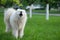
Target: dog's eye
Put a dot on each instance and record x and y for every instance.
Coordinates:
(20, 13)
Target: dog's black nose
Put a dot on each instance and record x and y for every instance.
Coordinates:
(20, 13)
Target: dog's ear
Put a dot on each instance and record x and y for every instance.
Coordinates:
(20, 13)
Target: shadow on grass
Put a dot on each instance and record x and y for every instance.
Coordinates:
(6, 36)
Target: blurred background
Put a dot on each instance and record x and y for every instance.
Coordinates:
(44, 23)
(38, 5)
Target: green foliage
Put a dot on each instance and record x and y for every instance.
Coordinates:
(28, 2)
(9, 3)
(44, 2)
(16, 1)
(3, 2)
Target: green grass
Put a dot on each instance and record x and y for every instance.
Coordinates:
(37, 28)
(2, 9)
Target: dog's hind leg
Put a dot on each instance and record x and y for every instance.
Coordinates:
(8, 26)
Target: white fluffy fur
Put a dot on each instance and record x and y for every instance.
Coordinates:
(14, 21)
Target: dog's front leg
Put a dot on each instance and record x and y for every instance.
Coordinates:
(15, 32)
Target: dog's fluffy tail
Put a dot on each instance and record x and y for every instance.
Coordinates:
(7, 13)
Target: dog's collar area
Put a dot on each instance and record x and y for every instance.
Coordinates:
(17, 7)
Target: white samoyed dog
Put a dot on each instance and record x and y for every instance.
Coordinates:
(15, 20)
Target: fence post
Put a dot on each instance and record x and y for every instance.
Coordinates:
(47, 11)
(31, 10)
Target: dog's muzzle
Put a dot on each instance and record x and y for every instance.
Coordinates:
(20, 14)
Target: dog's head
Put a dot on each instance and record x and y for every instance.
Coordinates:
(19, 13)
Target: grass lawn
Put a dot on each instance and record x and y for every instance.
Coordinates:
(37, 28)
